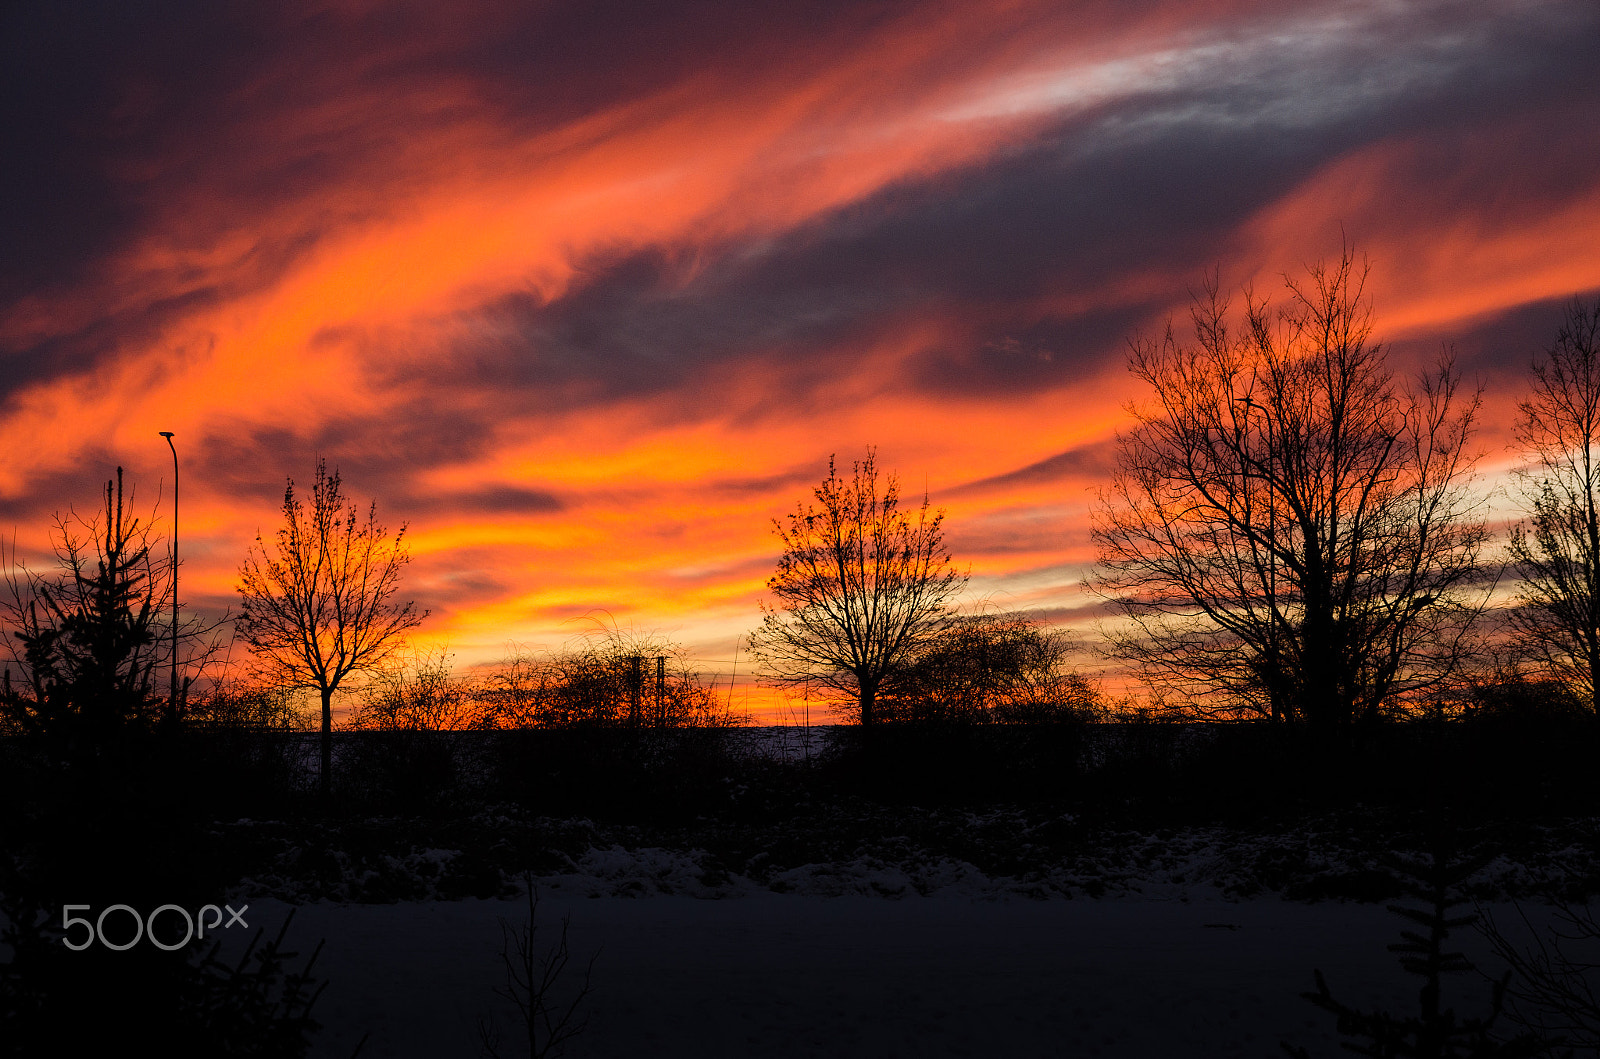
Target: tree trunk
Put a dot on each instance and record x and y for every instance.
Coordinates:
(327, 741)
(869, 694)
(1321, 664)
(1593, 636)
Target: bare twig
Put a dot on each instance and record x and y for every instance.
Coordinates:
(532, 982)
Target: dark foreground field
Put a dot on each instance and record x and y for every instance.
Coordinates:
(769, 975)
(1130, 889)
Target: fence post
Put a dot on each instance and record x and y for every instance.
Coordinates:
(635, 686)
(661, 689)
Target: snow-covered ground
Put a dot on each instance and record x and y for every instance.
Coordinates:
(793, 975)
(1162, 944)
(873, 851)
(786, 923)
(1169, 943)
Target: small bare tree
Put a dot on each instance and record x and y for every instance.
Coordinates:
(532, 984)
(859, 587)
(1288, 529)
(1557, 551)
(320, 605)
(1555, 984)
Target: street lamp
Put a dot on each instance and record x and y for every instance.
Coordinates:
(172, 703)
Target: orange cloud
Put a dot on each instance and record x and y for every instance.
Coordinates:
(330, 271)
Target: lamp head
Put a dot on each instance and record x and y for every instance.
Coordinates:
(165, 433)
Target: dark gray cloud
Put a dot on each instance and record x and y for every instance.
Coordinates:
(1094, 460)
(502, 500)
(373, 460)
(76, 493)
(1496, 350)
(1108, 195)
(117, 119)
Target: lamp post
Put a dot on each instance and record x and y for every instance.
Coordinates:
(172, 703)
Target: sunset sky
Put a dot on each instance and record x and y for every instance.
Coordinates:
(588, 293)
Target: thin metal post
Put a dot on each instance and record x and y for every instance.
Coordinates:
(635, 686)
(661, 689)
(172, 703)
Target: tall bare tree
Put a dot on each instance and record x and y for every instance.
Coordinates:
(1557, 551)
(1287, 530)
(320, 604)
(860, 585)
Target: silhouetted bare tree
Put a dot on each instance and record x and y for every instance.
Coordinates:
(1557, 550)
(320, 605)
(1288, 528)
(1555, 985)
(533, 982)
(859, 587)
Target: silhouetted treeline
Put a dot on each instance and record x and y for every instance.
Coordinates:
(1516, 753)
